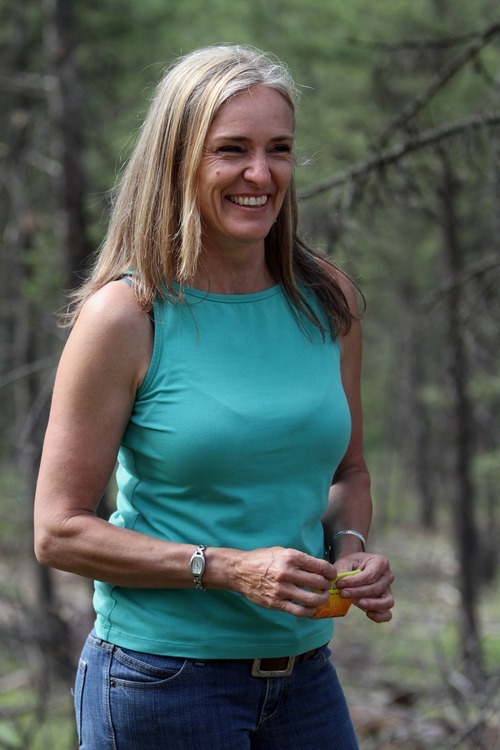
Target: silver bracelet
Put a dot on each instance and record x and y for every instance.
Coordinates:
(358, 534)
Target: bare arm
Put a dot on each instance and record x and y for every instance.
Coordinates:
(104, 361)
(350, 504)
(102, 365)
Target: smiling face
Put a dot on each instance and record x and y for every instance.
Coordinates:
(245, 170)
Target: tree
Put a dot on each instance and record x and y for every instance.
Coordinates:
(441, 205)
(398, 164)
(65, 105)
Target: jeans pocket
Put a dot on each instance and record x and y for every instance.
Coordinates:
(141, 671)
(78, 697)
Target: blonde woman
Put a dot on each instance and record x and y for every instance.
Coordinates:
(218, 359)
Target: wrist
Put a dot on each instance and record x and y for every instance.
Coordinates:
(197, 565)
(221, 568)
(345, 542)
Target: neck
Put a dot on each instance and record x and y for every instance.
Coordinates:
(233, 276)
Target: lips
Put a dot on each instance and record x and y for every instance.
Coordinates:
(248, 200)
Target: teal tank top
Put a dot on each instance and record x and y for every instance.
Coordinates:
(236, 432)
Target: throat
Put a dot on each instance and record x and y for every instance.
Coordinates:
(233, 280)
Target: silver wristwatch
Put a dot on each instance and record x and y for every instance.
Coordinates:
(197, 566)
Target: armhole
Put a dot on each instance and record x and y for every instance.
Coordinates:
(127, 279)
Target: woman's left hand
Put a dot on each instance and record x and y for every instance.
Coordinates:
(370, 589)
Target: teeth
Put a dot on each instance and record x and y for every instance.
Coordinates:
(254, 200)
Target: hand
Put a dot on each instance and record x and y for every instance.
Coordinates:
(370, 589)
(282, 579)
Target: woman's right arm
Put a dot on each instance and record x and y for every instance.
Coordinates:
(102, 365)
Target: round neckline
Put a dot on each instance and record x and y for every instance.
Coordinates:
(231, 298)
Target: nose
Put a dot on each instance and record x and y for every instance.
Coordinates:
(257, 170)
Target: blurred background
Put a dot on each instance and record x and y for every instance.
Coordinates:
(399, 181)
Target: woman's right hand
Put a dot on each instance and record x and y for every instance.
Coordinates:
(282, 579)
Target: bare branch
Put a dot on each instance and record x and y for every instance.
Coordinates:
(27, 83)
(414, 44)
(394, 154)
(43, 163)
(437, 83)
(28, 369)
(474, 271)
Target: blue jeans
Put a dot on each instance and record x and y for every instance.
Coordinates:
(126, 700)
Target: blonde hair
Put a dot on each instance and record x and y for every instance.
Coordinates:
(155, 227)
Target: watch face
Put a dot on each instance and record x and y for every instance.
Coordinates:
(197, 566)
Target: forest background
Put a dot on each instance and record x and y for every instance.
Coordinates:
(399, 181)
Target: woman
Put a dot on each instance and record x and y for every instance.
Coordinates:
(219, 358)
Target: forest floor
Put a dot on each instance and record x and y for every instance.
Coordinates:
(404, 680)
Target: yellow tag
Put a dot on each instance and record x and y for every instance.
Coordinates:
(336, 606)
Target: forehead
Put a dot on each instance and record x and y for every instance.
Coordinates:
(259, 106)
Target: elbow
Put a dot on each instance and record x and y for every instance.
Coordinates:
(57, 541)
(51, 543)
(45, 548)
(353, 472)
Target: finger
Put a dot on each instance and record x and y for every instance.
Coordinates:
(303, 579)
(367, 576)
(379, 605)
(303, 570)
(372, 589)
(380, 616)
(316, 566)
(288, 597)
(307, 599)
(303, 610)
(292, 558)
(297, 610)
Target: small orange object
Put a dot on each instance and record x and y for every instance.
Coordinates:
(336, 606)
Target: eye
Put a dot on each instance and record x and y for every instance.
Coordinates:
(282, 148)
(230, 149)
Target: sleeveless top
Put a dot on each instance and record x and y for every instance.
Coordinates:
(236, 432)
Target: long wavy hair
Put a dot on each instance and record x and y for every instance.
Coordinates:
(155, 230)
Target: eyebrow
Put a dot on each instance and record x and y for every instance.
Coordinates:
(244, 139)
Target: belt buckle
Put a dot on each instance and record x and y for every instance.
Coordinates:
(258, 672)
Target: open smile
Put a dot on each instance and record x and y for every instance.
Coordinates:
(248, 200)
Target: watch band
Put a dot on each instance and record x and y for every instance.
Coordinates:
(197, 566)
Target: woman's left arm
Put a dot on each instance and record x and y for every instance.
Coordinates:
(350, 505)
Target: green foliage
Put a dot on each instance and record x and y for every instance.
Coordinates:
(358, 65)
(30, 731)
(13, 511)
(487, 468)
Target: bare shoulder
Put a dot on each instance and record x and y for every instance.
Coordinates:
(113, 305)
(112, 328)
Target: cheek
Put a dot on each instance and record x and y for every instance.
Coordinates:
(285, 176)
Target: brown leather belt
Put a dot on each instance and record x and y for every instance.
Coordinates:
(281, 666)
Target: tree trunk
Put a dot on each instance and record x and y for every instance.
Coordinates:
(460, 420)
(70, 229)
(66, 113)
(416, 428)
(17, 223)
